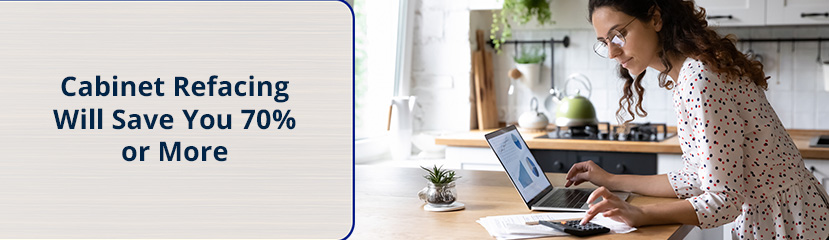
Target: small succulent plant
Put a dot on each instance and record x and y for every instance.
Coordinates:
(438, 175)
(441, 191)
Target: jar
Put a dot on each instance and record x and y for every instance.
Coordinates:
(439, 195)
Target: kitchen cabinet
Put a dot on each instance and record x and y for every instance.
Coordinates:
(560, 161)
(734, 12)
(797, 12)
(728, 13)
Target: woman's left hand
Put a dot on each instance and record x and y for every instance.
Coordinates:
(614, 208)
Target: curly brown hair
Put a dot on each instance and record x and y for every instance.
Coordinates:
(684, 32)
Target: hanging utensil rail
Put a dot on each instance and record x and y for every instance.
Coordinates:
(552, 42)
(783, 40)
(819, 40)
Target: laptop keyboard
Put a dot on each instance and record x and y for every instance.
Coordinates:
(566, 198)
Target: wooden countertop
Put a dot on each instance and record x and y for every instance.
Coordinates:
(388, 207)
(475, 138)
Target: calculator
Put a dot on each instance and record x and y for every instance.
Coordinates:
(575, 228)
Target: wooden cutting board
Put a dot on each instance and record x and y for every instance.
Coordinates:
(482, 70)
(473, 92)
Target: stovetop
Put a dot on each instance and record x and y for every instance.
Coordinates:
(636, 132)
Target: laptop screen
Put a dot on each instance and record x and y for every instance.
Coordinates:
(518, 162)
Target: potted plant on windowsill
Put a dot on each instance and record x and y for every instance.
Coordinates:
(521, 11)
(440, 195)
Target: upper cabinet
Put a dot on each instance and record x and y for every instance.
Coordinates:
(734, 12)
(797, 12)
(765, 12)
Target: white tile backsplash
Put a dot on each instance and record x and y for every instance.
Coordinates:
(822, 120)
(805, 120)
(820, 83)
(822, 99)
(804, 101)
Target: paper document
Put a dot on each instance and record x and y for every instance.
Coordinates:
(515, 227)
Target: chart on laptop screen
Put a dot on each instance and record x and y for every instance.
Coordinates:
(519, 164)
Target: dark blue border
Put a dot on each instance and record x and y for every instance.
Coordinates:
(353, 127)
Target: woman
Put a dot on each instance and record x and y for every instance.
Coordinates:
(740, 164)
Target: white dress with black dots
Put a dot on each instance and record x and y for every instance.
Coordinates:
(740, 164)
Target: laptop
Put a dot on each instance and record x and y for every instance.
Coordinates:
(533, 186)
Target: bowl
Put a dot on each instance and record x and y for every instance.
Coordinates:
(425, 142)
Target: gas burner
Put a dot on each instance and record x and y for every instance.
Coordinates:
(581, 132)
(643, 132)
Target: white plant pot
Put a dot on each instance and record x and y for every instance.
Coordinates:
(530, 73)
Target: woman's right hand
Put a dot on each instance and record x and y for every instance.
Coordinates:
(587, 171)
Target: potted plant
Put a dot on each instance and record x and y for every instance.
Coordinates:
(522, 11)
(441, 190)
(528, 62)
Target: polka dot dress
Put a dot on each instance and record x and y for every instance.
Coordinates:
(740, 164)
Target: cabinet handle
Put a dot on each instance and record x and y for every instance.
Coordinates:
(804, 15)
(719, 17)
(558, 166)
(620, 168)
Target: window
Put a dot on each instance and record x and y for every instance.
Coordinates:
(379, 56)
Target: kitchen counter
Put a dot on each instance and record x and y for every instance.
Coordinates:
(475, 138)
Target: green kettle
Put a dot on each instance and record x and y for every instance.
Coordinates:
(576, 110)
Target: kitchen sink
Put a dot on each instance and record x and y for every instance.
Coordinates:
(820, 141)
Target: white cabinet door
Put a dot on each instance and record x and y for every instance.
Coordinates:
(800, 12)
(734, 12)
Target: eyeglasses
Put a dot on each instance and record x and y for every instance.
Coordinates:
(616, 38)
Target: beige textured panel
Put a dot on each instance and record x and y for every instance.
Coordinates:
(275, 183)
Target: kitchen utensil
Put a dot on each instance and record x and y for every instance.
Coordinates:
(575, 111)
(477, 81)
(473, 98)
(425, 142)
(489, 92)
(552, 99)
(514, 73)
(579, 112)
(484, 85)
(572, 110)
(581, 79)
(751, 55)
(401, 133)
(510, 117)
(533, 120)
(777, 70)
(826, 76)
